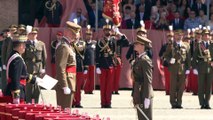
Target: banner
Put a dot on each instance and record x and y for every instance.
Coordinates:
(111, 11)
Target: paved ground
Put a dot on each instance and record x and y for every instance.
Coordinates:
(122, 108)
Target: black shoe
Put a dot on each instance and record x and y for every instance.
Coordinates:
(113, 92)
(173, 107)
(108, 106)
(117, 93)
(103, 106)
(202, 107)
(88, 93)
(207, 107)
(194, 94)
(179, 107)
(78, 106)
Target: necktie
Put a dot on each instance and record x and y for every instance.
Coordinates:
(207, 45)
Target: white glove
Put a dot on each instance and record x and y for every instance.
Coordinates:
(4, 67)
(195, 71)
(85, 72)
(187, 72)
(172, 61)
(42, 71)
(16, 101)
(66, 90)
(146, 103)
(98, 70)
(0, 69)
(39, 80)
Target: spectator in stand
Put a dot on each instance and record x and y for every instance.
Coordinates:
(171, 8)
(183, 6)
(81, 20)
(150, 24)
(210, 23)
(132, 22)
(192, 21)
(148, 6)
(162, 24)
(91, 8)
(203, 18)
(131, 4)
(210, 11)
(154, 14)
(191, 3)
(177, 23)
(186, 12)
(140, 15)
(199, 5)
(127, 12)
(53, 13)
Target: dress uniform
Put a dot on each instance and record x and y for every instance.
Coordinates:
(17, 75)
(193, 78)
(105, 50)
(142, 71)
(177, 55)
(165, 63)
(79, 47)
(35, 57)
(54, 45)
(89, 63)
(203, 66)
(120, 43)
(6, 50)
(66, 68)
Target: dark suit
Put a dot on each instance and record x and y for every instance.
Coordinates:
(147, 13)
(177, 24)
(196, 8)
(132, 23)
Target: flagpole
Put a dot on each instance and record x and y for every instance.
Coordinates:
(96, 14)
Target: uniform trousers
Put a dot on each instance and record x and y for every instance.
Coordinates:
(90, 79)
(106, 78)
(80, 82)
(116, 80)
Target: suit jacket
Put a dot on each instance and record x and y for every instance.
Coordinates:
(178, 25)
(35, 57)
(147, 13)
(65, 56)
(89, 56)
(129, 24)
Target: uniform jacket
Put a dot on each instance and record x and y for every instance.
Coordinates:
(105, 50)
(89, 55)
(80, 50)
(35, 56)
(65, 56)
(53, 48)
(142, 75)
(6, 50)
(202, 57)
(17, 71)
(182, 57)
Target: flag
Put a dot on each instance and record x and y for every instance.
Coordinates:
(111, 11)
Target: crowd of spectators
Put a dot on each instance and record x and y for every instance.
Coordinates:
(157, 14)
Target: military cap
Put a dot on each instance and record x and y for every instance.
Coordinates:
(179, 31)
(89, 31)
(34, 30)
(13, 27)
(205, 31)
(198, 31)
(142, 40)
(75, 28)
(17, 38)
(187, 36)
(141, 29)
(107, 27)
(59, 33)
(22, 27)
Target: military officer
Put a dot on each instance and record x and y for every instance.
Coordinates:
(89, 62)
(6, 50)
(66, 66)
(54, 45)
(203, 66)
(142, 80)
(177, 55)
(105, 50)
(35, 57)
(170, 37)
(17, 75)
(121, 41)
(79, 46)
(1, 42)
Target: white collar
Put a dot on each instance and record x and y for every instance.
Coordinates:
(141, 54)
